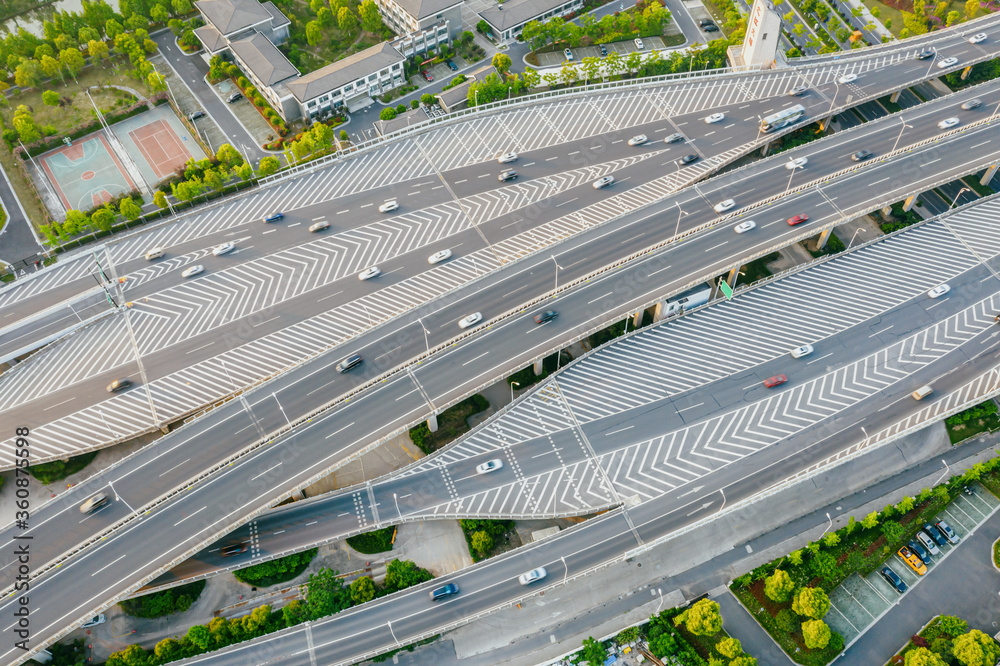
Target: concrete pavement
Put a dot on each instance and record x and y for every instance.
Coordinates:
(18, 241)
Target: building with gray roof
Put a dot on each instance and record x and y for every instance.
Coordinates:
(508, 19)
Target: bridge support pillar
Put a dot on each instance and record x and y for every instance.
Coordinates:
(766, 149)
(825, 122)
(432, 423)
(165, 429)
(658, 311)
(887, 210)
(538, 367)
(908, 204)
(965, 72)
(894, 97)
(988, 176)
(637, 319)
(823, 238)
(732, 277)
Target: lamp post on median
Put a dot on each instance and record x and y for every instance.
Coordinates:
(900, 134)
(426, 339)
(794, 167)
(553, 257)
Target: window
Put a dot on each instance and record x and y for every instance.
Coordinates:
(324, 98)
(312, 104)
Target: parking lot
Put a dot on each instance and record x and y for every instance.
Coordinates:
(556, 58)
(440, 72)
(859, 601)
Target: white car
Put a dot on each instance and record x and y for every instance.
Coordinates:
(225, 248)
(507, 158)
(939, 290)
(977, 38)
(489, 466)
(94, 621)
(471, 320)
(927, 542)
(947, 62)
(532, 576)
(804, 350)
(369, 273)
(603, 182)
(948, 122)
(194, 270)
(438, 257)
(715, 118)
(388, 206)
(638, 44)
(847, 78)
(723, 206)
(637, 140)
(320, 226)
(797, 163)
(744, 227)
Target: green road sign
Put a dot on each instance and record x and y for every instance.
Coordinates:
(726, 289)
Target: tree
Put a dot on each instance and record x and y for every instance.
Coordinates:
(103, 218)
(482, 543)
(50, 98)
(831, 539)
(27, 74)
(268, 165)
(322, 135)
(314, 32)
(243, 171)
(113, 28)
(811, 602)
(427, 99)
(346, 20)
(160, 199)
(702, 619)
(362, 590)
(744, 660)
(198, 634)
(976, 649)
(825, 566)
(502, 62)
(778, 586)
(98, 50)
(156, 82)
(326, 18)
(971, 7)
(729, 648)
(923, 657)
(24, 124)
(133, 655)
(952, 17)
(325, 593)
(593, 652)
(387, 113)
(343, 135)
(371, 21)
(401, 574)
(870, 521)
(228, 155)
(182, 7)
(815, 634)
(892, 531)
(129, 209)
(159, 14)
(953, 626)
(400, 108)
(51, 67)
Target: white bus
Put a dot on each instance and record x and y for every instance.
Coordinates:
(782, 118)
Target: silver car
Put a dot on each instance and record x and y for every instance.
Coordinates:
(489, 466)
(94, 503)
(225, 248)
(369, 273)
(603, 182)
(530, 577)
(470, 320)
(927, 542)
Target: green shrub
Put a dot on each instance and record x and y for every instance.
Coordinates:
(276, 571)
(57, 470)
(167, 602)
(371, 543)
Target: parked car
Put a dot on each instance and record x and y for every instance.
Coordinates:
(489, 466)
(191, 271)
(235, 97)
(349, 363)
(225, 248)
(451, 65)
(777, 380)
(946, 63)
(388, 206)
(936, 534)
(927, 542)
(195, 115)
(637, 140)
(319, 226)
(949, 533)
(939, 290)
(744, 227)
(507, 174)
(723, 206)
(439, 256)
(676, 137)
(543, 317)
(119, 385)
(847, 78)
(603, 48)
(912, 560)
(427, 75)
(94, 503)
(798, 91)
(638, 44)
(369, 273)
(532, 576)
(568, 54)
(273, 217)
(861, 155)
(971, 104)
(687, 159)
(715, 118)
(444, 592)
(603, 182)
(470, 320)
(705, 22)
(507, 158)
(235, 548)
(804, 350)
(919, 551)
(797, 219)
(711, 27)
(94, 621)
(893, 579)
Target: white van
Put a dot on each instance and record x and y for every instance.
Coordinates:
(922, 392)
(155, 253)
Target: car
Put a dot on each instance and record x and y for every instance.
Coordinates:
(939, 290)
(893, 579)
(234, 548)
(919, 551)
(687, 159)
(470, 320)
(369, 273)
(723, 206)
(798, 91)
(603, 48)
(195, 115)
(489, 466)
(978, 38)
(948, 122)
(676, 137)
(804, 350)
(119, 385)
(847, 78)
(947, 62)
(971, 104)
(568, 54)
(638, 44)
(451, 65)
(94, 621)
(543, 317)
(94, 503)
(427, 75)
(154, 253)
(797, 163)
(444, 592)
(507, 158)
(711, 27)
(744, 227)
(925, 54)
(861, 155)
(532, 576)
(797, 219)
(705, 22)
(439, 256)
(948, 533)
(936, 534)
(637, 140)
(603, 182)
(508, 174)
(273, 217)
(912, 560)
(388, 206)
(235, 97)
(225, 248)
(319, 226)
(777, 380)
(715, 118)
(927, 542)
(349, 363)
(193, 270)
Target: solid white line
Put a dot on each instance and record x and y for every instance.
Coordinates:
(188, 516)
(691, 407)
(175, 467)
(102, 569)
(59, 403)
(202, 347)
(614, 432)
(599, 298)
(266, 471)
(339, 431)
(475, 359)
(266, 321)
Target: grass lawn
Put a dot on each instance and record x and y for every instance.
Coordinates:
(757, 269)
(334, 44)
(370, 543)
(962, 432)
(504, 536)
(996, 553)
(58, 470)
(452, 423)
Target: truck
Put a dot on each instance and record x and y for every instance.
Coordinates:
(687, 301)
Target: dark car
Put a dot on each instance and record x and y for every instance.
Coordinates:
(427, 75)
(894, 580)
(451, 65)
(711, 27)
(119, 385)
(920, 551)
(543, 317)
(273, 217)
(444, 592)
(925, 54)
(935, 532)
(971, 104)
(604, 49)
(507, 174)
(705, 22)
(196, 115)
(235, 97)
(233, 549)
(687, 159)
(349, 363)
(861, 155)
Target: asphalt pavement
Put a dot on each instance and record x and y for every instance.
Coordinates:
(18, 244)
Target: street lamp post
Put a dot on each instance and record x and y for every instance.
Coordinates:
(426, 339)
(900, 134)
(955, 200)
(553, 257)
(857, 231)
(512, 385)
(788, 187)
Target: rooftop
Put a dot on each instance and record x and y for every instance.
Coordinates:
(421, 9)
(515, 12)
(342, 72)
(211, 38)
(403, 120)
(277, 18)
(229, 16)
(263, 58)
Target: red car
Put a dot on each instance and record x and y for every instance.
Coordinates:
(427, 75)
(797, 219)
(777, 380)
